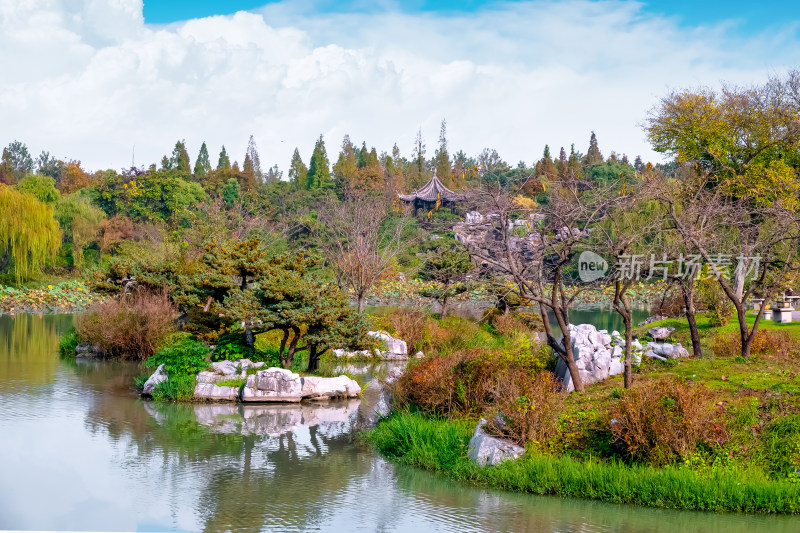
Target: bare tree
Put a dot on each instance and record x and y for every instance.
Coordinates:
(723, 232)
(360, 238)
(537, 262)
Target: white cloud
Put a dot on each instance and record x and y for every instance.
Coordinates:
(89, 79)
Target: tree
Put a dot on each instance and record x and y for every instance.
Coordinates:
(81, 221)
(113, 231)
(417, 173)
(20, 159)
(593, 155)
(231, 192)
(180, 159)
(41, 186)
(538, 264)
(298, 171)
(29, 235)
(203, 164)
(224, 162)
(345, 171)
(47, 165)
(441, 159)
(358, 240)
(254, 166)
(6, 168)
(448, 266)
(71, 177)
(319, 171)
(546, 168)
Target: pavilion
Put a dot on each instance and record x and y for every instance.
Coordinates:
(432, 192)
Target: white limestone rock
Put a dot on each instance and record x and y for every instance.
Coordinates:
(273, 385)
(159, 376)
(215, 393)
(321, 389)
(660, 333)
(392, 348)
(487, 450)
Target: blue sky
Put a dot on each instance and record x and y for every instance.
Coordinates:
(92, 79)
(748, 16)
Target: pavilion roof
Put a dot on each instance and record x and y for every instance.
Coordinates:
(432, 191)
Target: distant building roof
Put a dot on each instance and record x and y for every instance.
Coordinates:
(432, 191)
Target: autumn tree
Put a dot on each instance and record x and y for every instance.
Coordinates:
(71, 177)
(745, 139)
(360, 239)
(593, 155)
(29, 235)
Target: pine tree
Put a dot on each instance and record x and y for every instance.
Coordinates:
(345, 171)
(319, 168)
(224, 162)
(298, 171)
(574, 164)
(418, 169)
(546, 167)
(203, 164)
(180, 158)
(255, 160)
(638, 164)
(442, 157)
(562, 164)
(593, 155)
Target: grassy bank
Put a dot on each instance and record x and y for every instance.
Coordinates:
(441, 445)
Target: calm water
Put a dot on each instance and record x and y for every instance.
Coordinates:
(79, 450)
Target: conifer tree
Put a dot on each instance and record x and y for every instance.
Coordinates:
(180, 158)
(319, 169)
(203, 164)
(255, 160)
(224, 162)
(345, 171)
(546, 166)
(574, 164)
(298, 171)
(442, 158)
(562, 164)
(638, 164)
(593, 155)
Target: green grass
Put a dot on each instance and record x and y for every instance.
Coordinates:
(68, 343)
(441, 446)
(176, 389)
(236, 382)
(681, 333)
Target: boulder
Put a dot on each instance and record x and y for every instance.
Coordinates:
(487, 450)
(273, 385)
(392, 348)
(157, 377)
(215, 393)
(661, 333)
(473, 217)
(666, 350)
(318, 388)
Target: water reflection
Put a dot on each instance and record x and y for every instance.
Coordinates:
(81, 451)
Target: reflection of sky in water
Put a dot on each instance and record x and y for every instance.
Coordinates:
(78, 450)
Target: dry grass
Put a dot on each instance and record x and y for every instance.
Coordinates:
(130, 326)
(665, 420)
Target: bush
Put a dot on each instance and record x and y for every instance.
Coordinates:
(185, 356)
(766, 342)
(713, 298)
(666, 420)
(528, 408)
(175, 389)
(411, 326)
(780, 443)
(68, 343)
(129, 326)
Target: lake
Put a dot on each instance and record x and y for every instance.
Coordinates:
(80, 451)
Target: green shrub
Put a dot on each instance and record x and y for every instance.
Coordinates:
(184, 356)
(140, 380)
(177, 388)
(232, 346)
(68, 343)
(780, 442)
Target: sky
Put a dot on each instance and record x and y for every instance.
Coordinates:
(111, 82)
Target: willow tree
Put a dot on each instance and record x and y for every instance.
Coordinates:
(29, 235)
